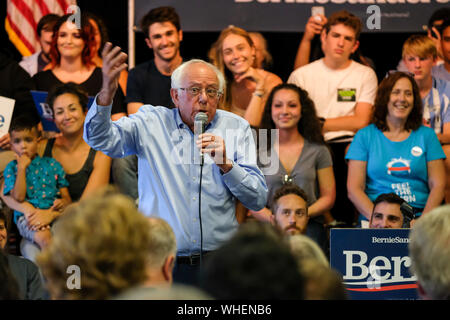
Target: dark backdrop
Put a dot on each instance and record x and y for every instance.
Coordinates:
(383, 48)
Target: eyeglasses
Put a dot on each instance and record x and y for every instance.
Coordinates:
(212, 93)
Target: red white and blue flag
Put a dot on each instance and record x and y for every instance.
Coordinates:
(22, 19)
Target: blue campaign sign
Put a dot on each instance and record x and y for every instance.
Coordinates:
(374, 263)
(44, 110)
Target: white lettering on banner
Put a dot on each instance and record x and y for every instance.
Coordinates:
(357, 260)
(344, 1)
(390, 240)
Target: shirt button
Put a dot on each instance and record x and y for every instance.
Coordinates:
(193, 198)
(194, 241)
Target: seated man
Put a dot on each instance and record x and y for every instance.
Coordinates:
(390, 211)
(24, 271)
(162, 252)
(290, 209)
(39, 60)
(420, 55)
(442, 71)
(343, 92)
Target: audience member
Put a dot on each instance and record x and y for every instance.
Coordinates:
(9, 290)
(255, 264)
(39, 60)
(100, 33)
(430, 253)
(310, 49)
(40, 181)
(161, 254)
(343, 92)
(107, 239)
(322, 282)
(168, 174)
(247, 87)
(434, 32)
(86, 169)
(300, 154)
(149, 82)
(434, 27)
(71, 55)
(388, 212)
(24, 278)
(442, 71)
(290, 209)
(396, 153)
(419, 55)
(303, 249)
(15, 84)
(174, 292)
(263, 58)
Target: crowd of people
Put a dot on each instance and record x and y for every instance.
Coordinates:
(220, 166)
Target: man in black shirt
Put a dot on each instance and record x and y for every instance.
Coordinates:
(149, 82)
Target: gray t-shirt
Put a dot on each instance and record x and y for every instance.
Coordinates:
(313, 157)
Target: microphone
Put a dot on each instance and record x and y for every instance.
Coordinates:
(200, 121)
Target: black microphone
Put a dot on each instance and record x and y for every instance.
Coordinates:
(200, 121)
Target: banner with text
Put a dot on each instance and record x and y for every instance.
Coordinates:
(374, 263)
(292, 15)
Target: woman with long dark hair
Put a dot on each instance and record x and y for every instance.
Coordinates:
(298, 156)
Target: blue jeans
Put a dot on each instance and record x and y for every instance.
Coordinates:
(124, 175)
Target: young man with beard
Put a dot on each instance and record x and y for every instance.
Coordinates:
(149, 82)
(290, 209)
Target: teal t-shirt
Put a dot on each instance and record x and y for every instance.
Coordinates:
(44, 177)
(399, 167)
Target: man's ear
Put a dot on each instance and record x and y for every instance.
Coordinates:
(355, 47)
(149, 44)
(174, 96)
(180, 35)
(168, 266)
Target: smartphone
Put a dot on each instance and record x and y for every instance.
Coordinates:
(317, 10)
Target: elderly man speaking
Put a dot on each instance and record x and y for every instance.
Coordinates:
(198, 201)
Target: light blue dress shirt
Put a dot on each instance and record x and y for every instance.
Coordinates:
(169, 170)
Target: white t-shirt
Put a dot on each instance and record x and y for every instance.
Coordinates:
(336, 92)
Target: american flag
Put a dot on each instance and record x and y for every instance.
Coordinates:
(22, 19)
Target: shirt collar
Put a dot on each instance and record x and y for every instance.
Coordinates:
(182, 125)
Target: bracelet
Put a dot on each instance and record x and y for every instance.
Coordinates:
(259, 93)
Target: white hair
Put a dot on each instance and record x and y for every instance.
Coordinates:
(162, 242)
(178, 74)
(429, 249)
(303, 248)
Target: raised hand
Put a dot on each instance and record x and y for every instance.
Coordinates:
(314, 26)
(113, 64)
(5, 142)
